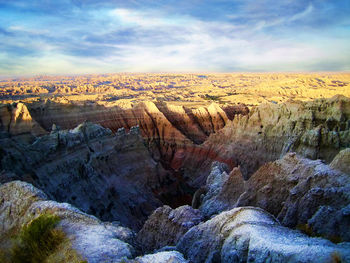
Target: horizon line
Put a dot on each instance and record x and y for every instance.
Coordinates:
(169, 72)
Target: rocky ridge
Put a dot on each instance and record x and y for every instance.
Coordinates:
(302, 193)
(175, 222)
(246, 214)
(316, 130)
(95, 241)
(249, 234)
(95, 168)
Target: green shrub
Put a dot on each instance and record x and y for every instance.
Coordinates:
(37, 240)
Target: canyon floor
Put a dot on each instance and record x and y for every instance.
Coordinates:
(237, 167)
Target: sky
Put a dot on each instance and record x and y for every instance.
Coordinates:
(86, 36)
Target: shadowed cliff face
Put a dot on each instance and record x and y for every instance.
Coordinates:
(174, 134)
(112, 177)
(96, 171)
(186, 141)
(173, 159)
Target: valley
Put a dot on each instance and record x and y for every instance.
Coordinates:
(214, 160)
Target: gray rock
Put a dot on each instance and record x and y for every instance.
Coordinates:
(94, 240)
(161, 257)
(249, 234)
(223, 190)
(341, 161)
(166, 226)
(301, 193)
(90, 168)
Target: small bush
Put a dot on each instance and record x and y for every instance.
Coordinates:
(37, 240)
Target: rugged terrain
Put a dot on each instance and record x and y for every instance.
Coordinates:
(199, 178)
(124, 90)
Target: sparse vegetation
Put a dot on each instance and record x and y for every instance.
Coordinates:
(39, 241)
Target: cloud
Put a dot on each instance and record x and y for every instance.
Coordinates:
(303, 14)
(108, 36)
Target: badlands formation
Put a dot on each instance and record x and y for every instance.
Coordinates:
(177, 168)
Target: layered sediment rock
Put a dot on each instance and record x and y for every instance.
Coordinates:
(89, 237)
(16, 120)
(112, 177)
(299, 192)
(165, 227)
(173, 133)
(317, 130)
(249, 234)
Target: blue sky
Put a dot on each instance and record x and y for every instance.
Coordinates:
(88, 36)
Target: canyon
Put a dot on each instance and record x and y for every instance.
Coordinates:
(213, 180)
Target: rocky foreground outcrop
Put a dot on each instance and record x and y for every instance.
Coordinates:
(161, 257)
(316, 129)
(166, 226)
(245, 234)
(91, 239)
(300, 192)
(249, 234)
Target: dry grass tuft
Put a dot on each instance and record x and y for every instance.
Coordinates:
(41, 241)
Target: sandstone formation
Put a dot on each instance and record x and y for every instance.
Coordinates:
(316, 129)
(166, 128)
(173, 134)
(341, 162)
(93, 240)
(185, 89)
(165, 226)
(16, 120)
(268, 184)
(299, 192)
(177, 136)
(91, 168)
(249, 234)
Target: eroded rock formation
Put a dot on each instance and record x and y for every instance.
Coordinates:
(300, 192)
(94, 240)
(263, 179)
(173, 133)
(161, 257)
(316, 129)
(165, 226)
(16, 120)
(110, 176)
(249, 234)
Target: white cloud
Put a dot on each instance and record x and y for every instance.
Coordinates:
(302, 14)
(163, 42)
(145, 18)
